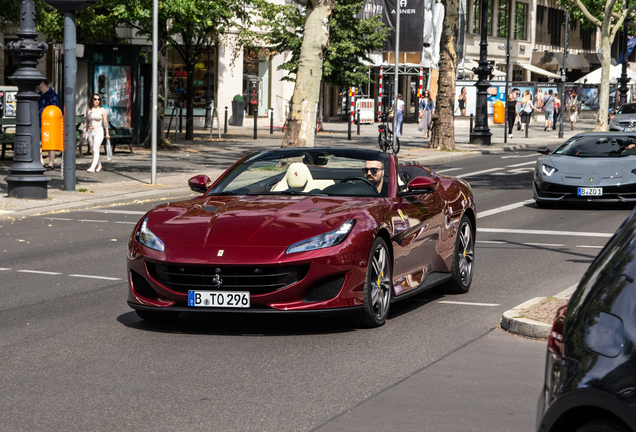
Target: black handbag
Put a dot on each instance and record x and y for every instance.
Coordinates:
(518, 125)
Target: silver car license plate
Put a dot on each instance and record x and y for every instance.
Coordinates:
(223, 299)
(590, 191)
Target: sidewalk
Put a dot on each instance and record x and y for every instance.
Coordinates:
(127, 177)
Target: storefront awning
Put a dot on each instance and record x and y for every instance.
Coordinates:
(470, 64)
(554, 61)
(539, 71)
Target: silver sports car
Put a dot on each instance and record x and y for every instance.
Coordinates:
(589, 167)
(624, 119)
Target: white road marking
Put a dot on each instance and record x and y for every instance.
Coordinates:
(448, 170)
(6, 211)
(590, 247)
(504, 208)
(521, 164)
(66, 219)
(1, 269)
(515, 171)
(124, 222)
(129, 212)
(544, 232)
(468, 303)
(94, 277)
(91, 220)
(491, 242)
(479, 172)
(543, 244)
(514, 157)
(38, 272)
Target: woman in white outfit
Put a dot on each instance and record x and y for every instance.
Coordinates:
(96, 117)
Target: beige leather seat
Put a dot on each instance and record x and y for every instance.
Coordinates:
(297, 177)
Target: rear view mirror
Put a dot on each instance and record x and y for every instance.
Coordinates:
(199, 183)
(543, 150)
(423, 184)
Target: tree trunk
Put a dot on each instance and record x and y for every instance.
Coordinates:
(161, 91)
(302, 124)
(603, 96)
(443, 133)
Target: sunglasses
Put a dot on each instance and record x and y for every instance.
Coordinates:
(373, 171)
(97, 99)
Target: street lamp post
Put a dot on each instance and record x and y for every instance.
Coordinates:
(26, 178)
(564, 70)
(481, 133)
(507, 75)
(208, 102)
(624, 79)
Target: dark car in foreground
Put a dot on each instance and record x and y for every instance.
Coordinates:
(304, 231)
(590, 375)
(589, 167)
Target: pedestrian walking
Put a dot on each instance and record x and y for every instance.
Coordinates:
(399, 113)
(511, 112)
(557, 110)
(426, 111)
(526, 109)
(96, 116)
(548, 109)
(48, 97)
(573, 108)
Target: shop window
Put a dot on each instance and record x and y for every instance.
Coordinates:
(477, 17)
(177, 81)
(502, 19)
(521, 21)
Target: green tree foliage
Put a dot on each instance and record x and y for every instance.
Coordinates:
(189, 26)
(346, 62)
(96, 24)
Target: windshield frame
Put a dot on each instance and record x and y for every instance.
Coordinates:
(310, 154)
(575, 146)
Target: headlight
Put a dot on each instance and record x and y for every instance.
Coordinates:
(325, 240)
(149, 239)
(548, 170)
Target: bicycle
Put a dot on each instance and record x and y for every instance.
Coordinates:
(385, 138)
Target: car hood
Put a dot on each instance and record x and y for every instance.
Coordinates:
(590, 171)
(624, 117)
(201, 227)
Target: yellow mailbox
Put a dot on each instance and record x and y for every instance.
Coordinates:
(52, 129)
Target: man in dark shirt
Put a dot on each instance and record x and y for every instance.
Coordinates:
(48, 97)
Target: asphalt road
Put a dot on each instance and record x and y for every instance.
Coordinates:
(74, 357)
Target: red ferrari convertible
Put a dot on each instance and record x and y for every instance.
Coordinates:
(305, 230)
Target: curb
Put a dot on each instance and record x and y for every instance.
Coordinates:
(512, 322)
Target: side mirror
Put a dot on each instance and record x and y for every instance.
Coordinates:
(423, 184)
(543, 150)
(200, 183)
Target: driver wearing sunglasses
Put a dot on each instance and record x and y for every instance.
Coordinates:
(374, 172)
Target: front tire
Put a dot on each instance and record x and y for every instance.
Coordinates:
(463, 260)
(396, 148)
(378, 287)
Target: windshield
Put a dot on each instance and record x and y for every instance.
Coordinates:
(321, 172)
(627, 109)
(598, 146)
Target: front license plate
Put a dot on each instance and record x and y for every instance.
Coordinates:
(224, 299)
(590, 191)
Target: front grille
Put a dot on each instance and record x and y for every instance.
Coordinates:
(552, 190)
(256, 280)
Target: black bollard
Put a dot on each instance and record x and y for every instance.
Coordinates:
(225, 127)
(527, 124)
(471, 123)
(271, 121)
(349, 127)
(255, 120)
(358, 122)
(180, 118)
